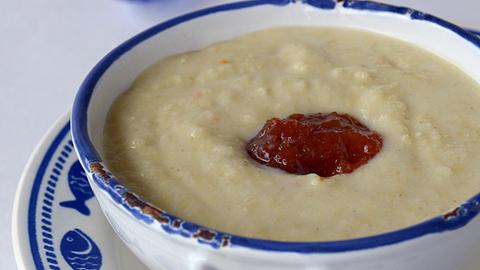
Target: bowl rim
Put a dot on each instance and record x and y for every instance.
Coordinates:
(149, 214)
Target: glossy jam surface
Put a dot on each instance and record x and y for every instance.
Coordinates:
(325, 144)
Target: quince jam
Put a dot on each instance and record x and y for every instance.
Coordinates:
(325, 144)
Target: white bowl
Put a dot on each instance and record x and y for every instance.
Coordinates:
(163, 241)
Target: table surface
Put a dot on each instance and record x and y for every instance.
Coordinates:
(48, 47)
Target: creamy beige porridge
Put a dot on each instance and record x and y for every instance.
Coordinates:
(177, 136)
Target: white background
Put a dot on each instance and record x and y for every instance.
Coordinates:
(47, 48)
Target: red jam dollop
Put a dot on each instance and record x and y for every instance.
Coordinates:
(325, 144)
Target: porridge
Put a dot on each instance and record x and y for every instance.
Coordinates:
(178, 136)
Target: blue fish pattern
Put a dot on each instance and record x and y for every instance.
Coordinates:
(78, 184)
(80, 252)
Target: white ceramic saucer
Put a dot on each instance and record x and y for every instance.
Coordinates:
(57, 224)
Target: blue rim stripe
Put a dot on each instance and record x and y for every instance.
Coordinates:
(322, 4)
(88, 153)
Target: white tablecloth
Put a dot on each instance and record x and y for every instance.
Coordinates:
(47, 48)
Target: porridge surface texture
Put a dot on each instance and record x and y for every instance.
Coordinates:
(177, 137)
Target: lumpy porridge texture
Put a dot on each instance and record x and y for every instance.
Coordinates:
(177, 136)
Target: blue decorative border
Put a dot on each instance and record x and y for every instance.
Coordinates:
(450, 221)
(47, 203)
